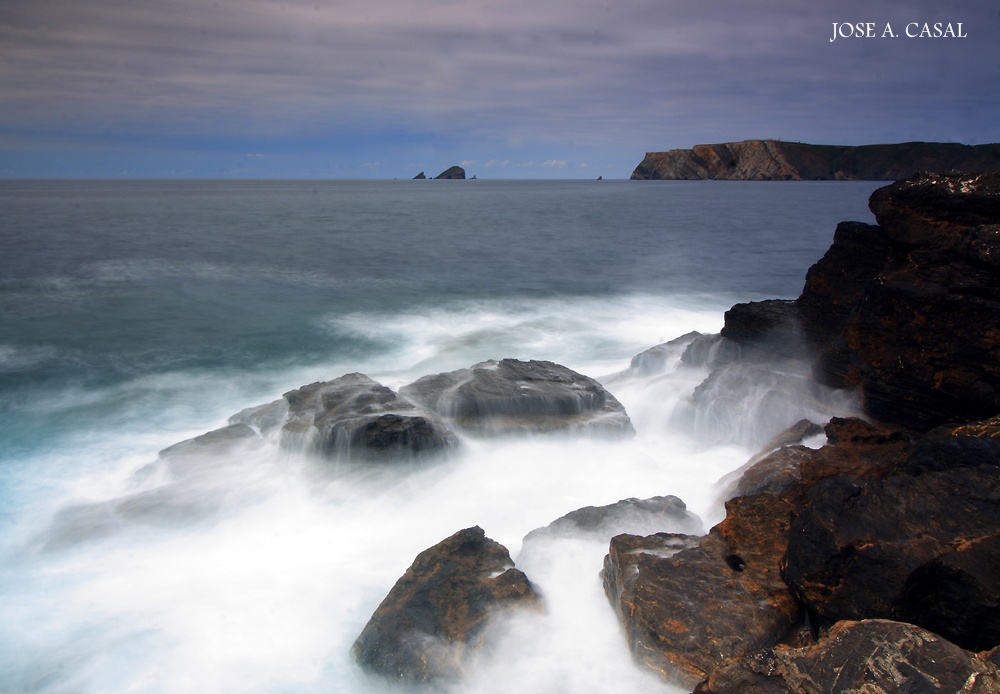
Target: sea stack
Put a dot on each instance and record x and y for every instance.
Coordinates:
(454, 173)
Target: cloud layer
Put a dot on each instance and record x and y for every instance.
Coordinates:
(526, 81)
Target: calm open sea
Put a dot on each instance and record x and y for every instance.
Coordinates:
(135, 314)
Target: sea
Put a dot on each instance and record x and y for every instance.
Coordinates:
(138, 314)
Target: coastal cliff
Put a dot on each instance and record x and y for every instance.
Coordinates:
(773, 160)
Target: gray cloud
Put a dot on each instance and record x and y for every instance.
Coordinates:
(659, 72)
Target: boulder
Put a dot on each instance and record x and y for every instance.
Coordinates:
(632, 516)
(685, 612)
(436, 615)
(353, 417)
(769, 328)
(856, 449)
(523, 397)
(871, 656)
(656, 360)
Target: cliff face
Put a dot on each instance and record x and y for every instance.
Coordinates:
(771, 160)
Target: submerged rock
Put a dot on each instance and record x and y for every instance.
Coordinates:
(521, 396)
(354, 417)
(216, 448)
(656, 360)
(871, 656)
(436, 615)
(264, 419)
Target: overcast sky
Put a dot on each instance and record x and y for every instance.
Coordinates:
(507, 88)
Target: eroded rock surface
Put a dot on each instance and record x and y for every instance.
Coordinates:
(896, 518)
(354, 417)
(437, 613)
(723, 598)
(870, 656)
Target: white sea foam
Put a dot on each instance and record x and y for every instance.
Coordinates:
(257, 574)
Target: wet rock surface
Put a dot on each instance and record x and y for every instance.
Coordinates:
(871, 656)
(634, 516)
(921, 341)
(436, 615)
(512, 396)
(886, 548)
(354, 417)
(723, 598)
(871, 563)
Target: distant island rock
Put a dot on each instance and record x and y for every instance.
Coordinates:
(774, 160)
(455, 173)
(420, 176)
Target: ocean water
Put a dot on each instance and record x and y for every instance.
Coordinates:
(136, 314)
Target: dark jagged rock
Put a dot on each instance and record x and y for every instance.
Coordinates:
(856, 449)
(771, 325)
(871, 656)
(439, 610)
(895, 518)
(420, 176)
(683, 614)
(355, 417)
(965, 445)
(957, 594)
(453, 173)
(870, 548)
(632, 516)
(774, 160)
(918, 335)
(733, 484)
(521, 396)
(835, 285)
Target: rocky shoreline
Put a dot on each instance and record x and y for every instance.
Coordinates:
(868, 563)
(872, 562)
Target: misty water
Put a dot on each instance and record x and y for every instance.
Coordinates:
(134, 315)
